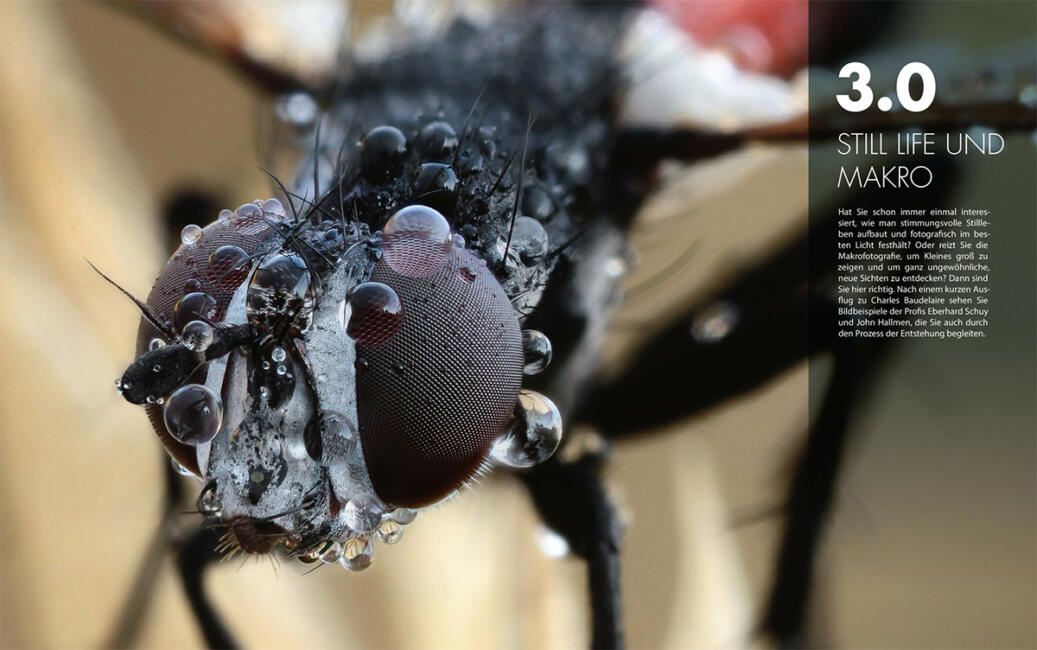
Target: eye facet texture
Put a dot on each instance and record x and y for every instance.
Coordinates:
(432, 398)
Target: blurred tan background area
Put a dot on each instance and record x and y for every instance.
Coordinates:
(101, 118)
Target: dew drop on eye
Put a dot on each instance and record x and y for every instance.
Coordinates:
(274, 210)
(534, 434)
(193, 414)
(248, 211)
(227, 266)
(375, 313)
(197, 335)
(416, 241)
(190, 235)
(193, 306)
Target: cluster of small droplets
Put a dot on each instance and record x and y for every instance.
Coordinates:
(534, 434)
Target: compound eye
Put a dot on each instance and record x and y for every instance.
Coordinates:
(433, 396)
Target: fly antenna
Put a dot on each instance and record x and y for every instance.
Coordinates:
(144, 309)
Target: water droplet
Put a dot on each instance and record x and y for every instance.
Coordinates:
(529, 239)
(416, 241)
(280, 279)
(156, 343)
(389, 531)
(404, 515)
(278, 354)
(331, 553)
(534, 434)
(190, 235)
(551, 543)
(310, 557)
(375, 313)
(191, 285)
(298, 109)
(180, 469)
(615, 267)
(225, 216)
(193, 306)
(437, 141)
(248, 211)
(357, 554)
(274, 210)
(281, 370)
(537, 350)
(227, 266)
(208, 502)
(197, 335)
(361, 364)
(330, 438)
(457, 240)
(715, 322)
(435, 186)
(382, 153)
(362, 513)
(193, 414)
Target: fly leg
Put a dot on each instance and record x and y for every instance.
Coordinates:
(811, 493)
(193, 556)
(572, 500)
(134, 609)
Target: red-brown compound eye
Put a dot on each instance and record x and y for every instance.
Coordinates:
(433, 397)
(375, 313)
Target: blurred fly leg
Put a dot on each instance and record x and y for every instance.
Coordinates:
(572, 500)
(734, 341)
(134, 610)
(193, 556)
(813, 487)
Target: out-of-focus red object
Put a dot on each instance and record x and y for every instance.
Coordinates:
(763, 35)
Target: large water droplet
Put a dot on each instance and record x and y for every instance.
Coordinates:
(227, 266)
(362, 513)
(357, 554)
(279, 280)
(193, 306)
(191, 234)
(534, 434)
(529, 239)
(416, 241)
(330, 438)
(375, 313)
(197, 335)
(537, 350)
(193, 414)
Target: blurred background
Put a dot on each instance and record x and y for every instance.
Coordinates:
(103, 119)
